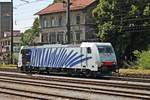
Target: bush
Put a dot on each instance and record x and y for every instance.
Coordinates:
(144, 59)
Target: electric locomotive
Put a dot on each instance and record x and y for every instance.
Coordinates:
(88, 58)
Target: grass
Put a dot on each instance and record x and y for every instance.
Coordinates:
(11, 66)
(134, 71)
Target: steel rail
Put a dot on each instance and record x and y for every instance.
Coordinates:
(33, 94)
(115, 77)
(81, 88)
(132, 77)
(89, 82)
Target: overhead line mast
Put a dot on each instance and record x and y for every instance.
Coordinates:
(68, 23)
(11, 52)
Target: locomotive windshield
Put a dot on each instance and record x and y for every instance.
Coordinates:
(105, 49)
(26, 55)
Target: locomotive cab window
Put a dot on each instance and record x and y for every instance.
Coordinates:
(26, 53)
(89, 50)
(105, 49)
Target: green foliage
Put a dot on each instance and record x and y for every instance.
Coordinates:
(15, 58)
(29, 35)
(26, 38)
(124, 23)
(144, 59)
(35, 27)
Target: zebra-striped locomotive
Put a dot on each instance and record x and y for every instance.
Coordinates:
(87, 58)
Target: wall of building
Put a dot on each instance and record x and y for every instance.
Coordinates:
(58, 30)
(5, 17)
(90, 23)
(52, 31)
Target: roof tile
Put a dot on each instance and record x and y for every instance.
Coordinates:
(59, 7)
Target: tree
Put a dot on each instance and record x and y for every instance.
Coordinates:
(35, 27)
(29, 35)
(144, 59)
(124, 23)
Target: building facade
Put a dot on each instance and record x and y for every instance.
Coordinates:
(53, 22)
(5, 45)
(5, 18)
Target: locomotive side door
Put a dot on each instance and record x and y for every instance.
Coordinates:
(84, 63)
(88, 54)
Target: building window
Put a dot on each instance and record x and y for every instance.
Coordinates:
(60, 21)
(60, 37)
(44, 23)
(8, 42)
(45, 37)
(49, 23)
(71, 36)
(52, 37)
(53, 21)
(78, 36)
(78, 19)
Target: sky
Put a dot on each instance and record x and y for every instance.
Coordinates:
(24, 11)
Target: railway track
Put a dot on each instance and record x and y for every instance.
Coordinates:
(80, 87)
(133, 78)
(125, 78)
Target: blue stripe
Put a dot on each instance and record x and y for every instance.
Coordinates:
(49, 57)
(46, 58)
(67, 58)
(35, 63)
(39, 55)
(33, 57)
(54, 57)
(70, 58)
(79, 61)
(60, 59)
(45, 62)
(43, 57)
(73, 60)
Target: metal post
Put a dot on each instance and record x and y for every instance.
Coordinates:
(11, 52)
(68, 22)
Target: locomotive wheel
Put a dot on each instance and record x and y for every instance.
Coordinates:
(87, 73)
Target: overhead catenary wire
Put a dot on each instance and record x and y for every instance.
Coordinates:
(25, 3)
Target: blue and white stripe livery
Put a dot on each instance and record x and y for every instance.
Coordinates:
(93, 56)
(56, 57)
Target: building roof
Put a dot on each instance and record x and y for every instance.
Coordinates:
(59, 7)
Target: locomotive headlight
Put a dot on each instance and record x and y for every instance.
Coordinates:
(114, 63)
